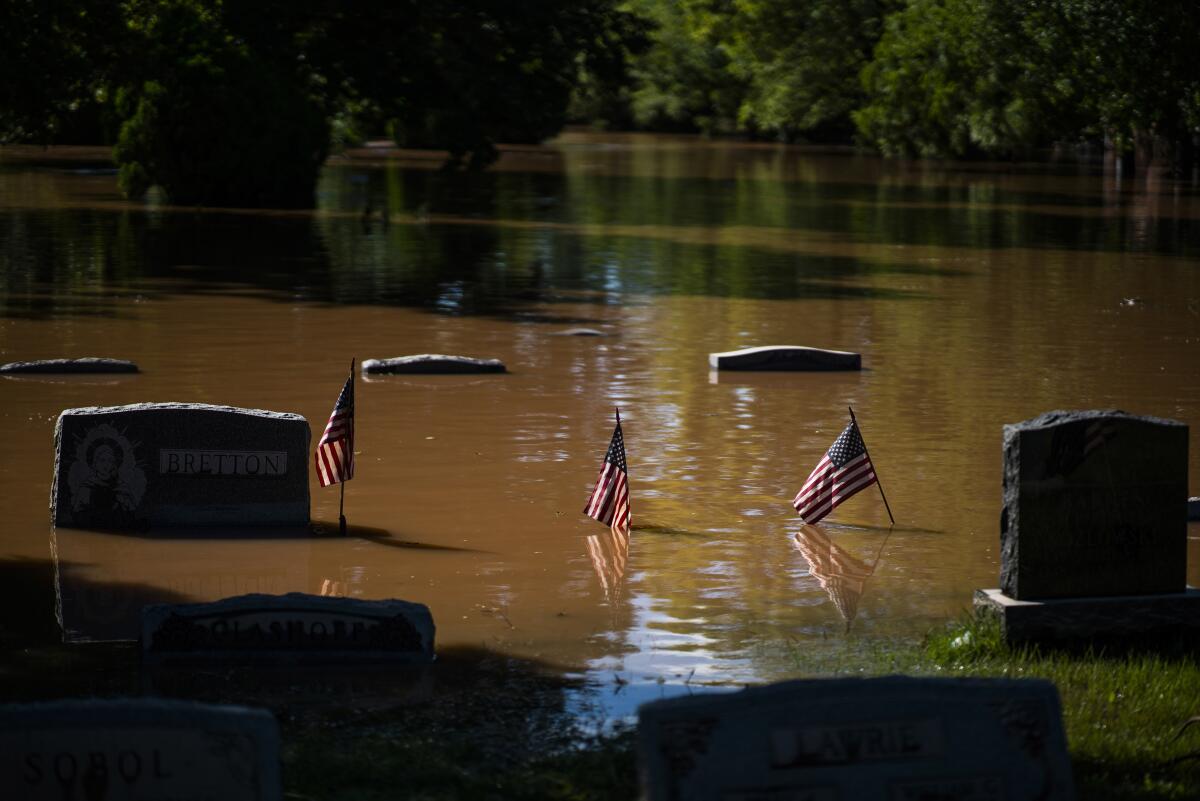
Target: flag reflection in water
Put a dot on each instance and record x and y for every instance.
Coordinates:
(609, 552)
(840, 574)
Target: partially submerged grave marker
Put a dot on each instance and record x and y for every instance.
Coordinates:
(179, 464)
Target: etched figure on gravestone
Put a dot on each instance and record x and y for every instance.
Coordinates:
(106, 482)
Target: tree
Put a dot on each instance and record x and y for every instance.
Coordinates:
(801, 62)
(960, 77)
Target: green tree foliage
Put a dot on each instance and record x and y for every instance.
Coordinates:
(54, 59)
(1134, 65)
(233, 103)
(683, 81)
(999, 77)
(220, 123)
(955, 77)
(801, 61)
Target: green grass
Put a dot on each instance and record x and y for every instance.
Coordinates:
(1123, 710)
(479, 725)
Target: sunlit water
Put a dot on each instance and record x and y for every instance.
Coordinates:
(978, 295)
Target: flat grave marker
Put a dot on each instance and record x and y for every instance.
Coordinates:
(179, 464)
(138, 750)
(785, 357)
(896, 738)
(431, 363)
(85, 365)
(293, 628)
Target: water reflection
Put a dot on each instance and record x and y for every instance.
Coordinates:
(609, 553)
(840, 574)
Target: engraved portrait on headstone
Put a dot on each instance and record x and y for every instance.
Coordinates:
(105, 480)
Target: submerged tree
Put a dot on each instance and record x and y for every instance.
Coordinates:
(228, 103)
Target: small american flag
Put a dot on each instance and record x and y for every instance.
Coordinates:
(609, 502)
(335, 450)
(844, 470)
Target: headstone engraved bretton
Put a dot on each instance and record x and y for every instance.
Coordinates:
(87, 364)
(288, 628)
(1093, 538)
(173, 464)
(431, 363)
(123, 750)
(887, 738)
(785, 357)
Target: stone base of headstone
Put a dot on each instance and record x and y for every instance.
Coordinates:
(1096, 619)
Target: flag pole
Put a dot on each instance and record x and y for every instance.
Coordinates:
(342, 499)
(617, 412)
(878, 483)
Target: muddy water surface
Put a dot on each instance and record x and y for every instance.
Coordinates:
(977, 294)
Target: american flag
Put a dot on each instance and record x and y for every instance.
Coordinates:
(609, 502)
(335, 450)
(844, 470)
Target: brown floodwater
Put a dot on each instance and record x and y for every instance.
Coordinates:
(978, 295)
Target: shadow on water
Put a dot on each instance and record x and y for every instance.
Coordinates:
(31, 602)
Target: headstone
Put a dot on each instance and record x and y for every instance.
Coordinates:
(172, 464)
(431, 363)
(890, 738)
(1119, 620)
(785, 357)
(288, 628)
(1095, 504)
(143, 750)
(85, 365)
(580, 332)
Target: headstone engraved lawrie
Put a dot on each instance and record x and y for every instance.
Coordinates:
(895, 738)
(179, 464)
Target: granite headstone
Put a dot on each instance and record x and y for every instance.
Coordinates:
(785, 357)
(138, 750)
(1095, 504)
(173, 464)
(887, 738)
(288, 628)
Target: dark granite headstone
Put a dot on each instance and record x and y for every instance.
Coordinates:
(288, 628)
(1095, 504)
(785, 357)
(886, 738)
(86, 365)
(138, 750)
(431, 363)
(172, 464)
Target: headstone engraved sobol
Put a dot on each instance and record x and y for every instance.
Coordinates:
(895, 738)
(292, 628)
(150, 464)
(127, 750)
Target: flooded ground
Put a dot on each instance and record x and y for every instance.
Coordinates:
(978, 295)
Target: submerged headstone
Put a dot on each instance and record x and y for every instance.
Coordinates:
(1193, 509)
(179, 464)
(785, 357)
(86, 365)
(431, 363)
(288, 628)
(834, 739)
(135, 749)
(1095, 504)
(580, 332)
